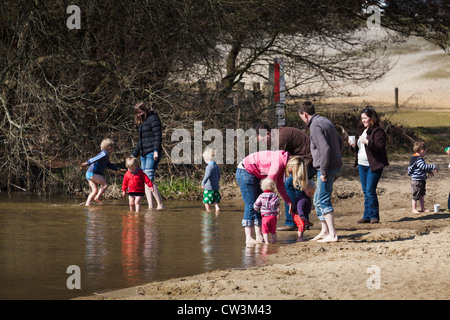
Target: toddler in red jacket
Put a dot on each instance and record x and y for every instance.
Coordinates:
(134, 182)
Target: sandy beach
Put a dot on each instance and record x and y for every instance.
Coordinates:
(405, 256)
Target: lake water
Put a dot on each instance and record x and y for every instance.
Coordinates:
(113, 247)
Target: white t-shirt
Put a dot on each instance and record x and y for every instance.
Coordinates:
(362, 155)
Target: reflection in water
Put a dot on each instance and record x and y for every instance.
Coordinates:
(150, 247)
(209, 229)
(138, 240)
(257, 254)
(95, 243)
(130, 246)
(113, 247)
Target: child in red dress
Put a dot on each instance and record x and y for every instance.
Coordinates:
(134, 183)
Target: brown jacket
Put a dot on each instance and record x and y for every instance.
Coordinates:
(376, 149)
(296, 142)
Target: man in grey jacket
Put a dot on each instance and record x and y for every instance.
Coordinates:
(327, 159)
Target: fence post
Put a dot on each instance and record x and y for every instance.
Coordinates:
(396, 98)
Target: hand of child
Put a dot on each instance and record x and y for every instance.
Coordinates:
(123, 194)
(151, 189)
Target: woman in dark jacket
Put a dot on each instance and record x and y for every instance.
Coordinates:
(149, 147)
(371, 158)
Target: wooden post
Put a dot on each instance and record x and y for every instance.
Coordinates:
(273, 115)
(396, 98)
(256, 88)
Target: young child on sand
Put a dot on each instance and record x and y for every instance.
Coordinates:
(210, 182)
(418, 171)
(269, 205)
(447, 151)
(97, 166)
(301, 217)
(134, 182)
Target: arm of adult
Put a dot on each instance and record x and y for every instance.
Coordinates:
(323, 151)
(155, 123)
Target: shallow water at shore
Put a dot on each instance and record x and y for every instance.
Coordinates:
(113, 247)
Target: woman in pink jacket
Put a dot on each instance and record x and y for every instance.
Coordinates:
(275, 165)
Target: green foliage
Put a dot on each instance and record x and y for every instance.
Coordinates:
(180, 188)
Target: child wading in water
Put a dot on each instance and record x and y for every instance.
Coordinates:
(418, 171)
(97, 166)
(301, 218)
(269, 205)
(210, 182)
(134, 183)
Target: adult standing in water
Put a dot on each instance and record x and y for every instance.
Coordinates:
(371, 158)
(259, 165)
(327, 159)
(149, 147)
(296, 142)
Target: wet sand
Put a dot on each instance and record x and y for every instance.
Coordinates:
(405, 256)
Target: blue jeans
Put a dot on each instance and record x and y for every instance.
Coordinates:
(369, 181)
(322, 197)
(148, 165)
(293, 193)
(250, 189)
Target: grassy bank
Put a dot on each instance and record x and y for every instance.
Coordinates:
(432, 126)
